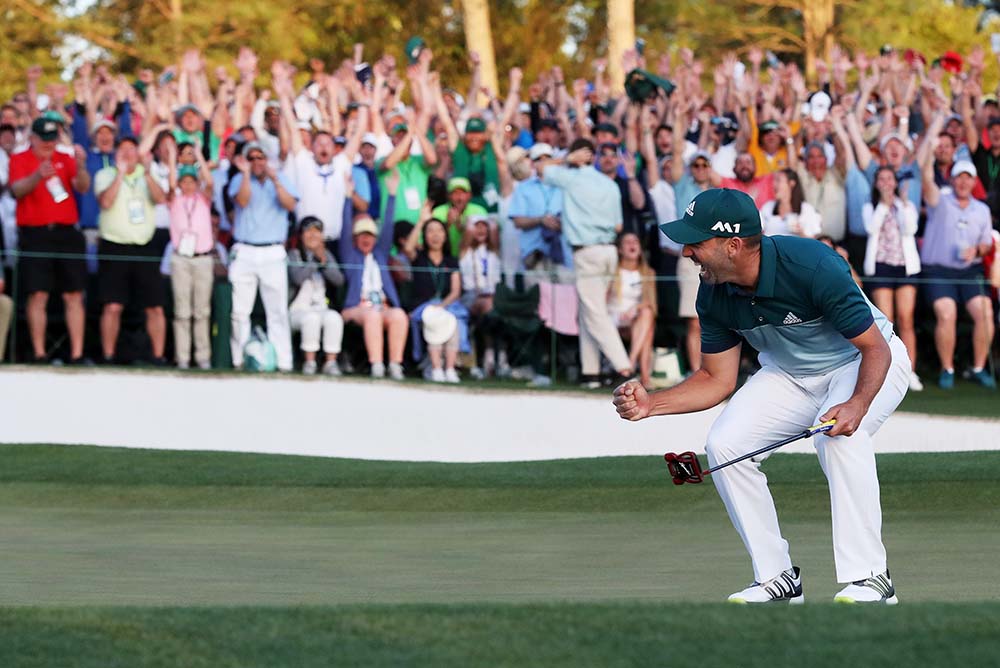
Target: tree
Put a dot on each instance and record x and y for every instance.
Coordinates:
(479, 39)
(621, 36)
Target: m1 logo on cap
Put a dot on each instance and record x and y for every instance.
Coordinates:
(731, 228)
(690, 210)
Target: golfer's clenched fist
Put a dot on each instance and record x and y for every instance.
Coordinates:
(631, 401)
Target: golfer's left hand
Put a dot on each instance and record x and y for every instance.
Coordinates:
(848, 416)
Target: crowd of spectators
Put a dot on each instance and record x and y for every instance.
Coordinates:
(373, 195)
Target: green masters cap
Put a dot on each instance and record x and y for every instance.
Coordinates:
(459, 182)
(717, 212)
(47, 126)
(187, 170)
(475, 124)
(641, 85)
(768, 126)
(414, 46)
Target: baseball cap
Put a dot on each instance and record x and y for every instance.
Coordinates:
(704, 155)
(819, 106)
(252, 146)
(456, 182)
(964, 167)
(768, 126)
(414, 46)
(539, 150)
(46, 127)
(606, 127)
(186, 107)
(104, 123)
(370, 138)
(473, 218)
(364, 225)
(187, 170)
(310, 222)
(524, 108)
(340, 140)
(898, 136)
(549, 123)
(398, 127)
(994, 120)
(716, 212)
(475, 124)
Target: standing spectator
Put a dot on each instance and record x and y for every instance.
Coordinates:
(320, 174)
(633, 199)
(823, 185)
(41, 179)
(6, 311)
(760, 188)
(535, 210)
(789, 213)
(473, 159)
(371, 300)
(192, 261)
(310, 268)
(8, 205)
(126, 194)
(263, 198)
(892, 260)
(957, 237)
(632, 304)
(592, 216)
(100, 148)
(414, 169)
(366, 169)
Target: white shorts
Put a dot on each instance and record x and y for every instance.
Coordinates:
(688, 280)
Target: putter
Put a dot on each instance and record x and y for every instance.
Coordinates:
(685, 467)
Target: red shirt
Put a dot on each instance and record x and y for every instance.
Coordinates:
(761, 188)
(38, 207)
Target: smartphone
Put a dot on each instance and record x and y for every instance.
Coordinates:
(166, 78)
(640, 46)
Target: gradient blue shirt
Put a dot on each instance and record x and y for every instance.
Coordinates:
(592, 204)
(263, 220)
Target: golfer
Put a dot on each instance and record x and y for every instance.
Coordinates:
(825, 353)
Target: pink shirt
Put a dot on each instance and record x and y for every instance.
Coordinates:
(191, 214)
(761, 188)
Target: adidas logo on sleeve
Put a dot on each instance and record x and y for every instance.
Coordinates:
(791, 319)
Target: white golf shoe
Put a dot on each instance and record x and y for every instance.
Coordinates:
(786, 588)
(876, 589)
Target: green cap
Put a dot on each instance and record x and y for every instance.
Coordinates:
(641, 85)
(459, 182)
(475, 124)
(716, 212)
(187, 170)
(414, 46)
(47, 126)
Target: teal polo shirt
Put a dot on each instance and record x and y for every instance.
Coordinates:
(801, 316)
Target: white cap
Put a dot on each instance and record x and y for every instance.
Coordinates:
(540, 149)
(898, 136)
(103, 123)
(524, 108)
(473, 218)
(964, 167)
(705, 155)
(370, 138)
(819, 106)
(438, 325)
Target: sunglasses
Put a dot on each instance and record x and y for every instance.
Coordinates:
(255, 158)
(699, 165)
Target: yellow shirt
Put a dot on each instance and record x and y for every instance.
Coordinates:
(130, 219)
(766, 164)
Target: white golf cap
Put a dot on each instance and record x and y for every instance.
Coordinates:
(370, 138)
(898, 136)
(964, 167)
(819, 106)
(539, 150)
(438, 325)
(524, 108)
(103, 123)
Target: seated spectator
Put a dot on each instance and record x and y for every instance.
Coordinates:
(310, 268)
(263, 198)
(788, 213)
(191, 273)
(892, 260)
(957, 237)
(479, 265)
(632, 304)
(437, 283)
(126, 194)
(41, 180)
(371, 300)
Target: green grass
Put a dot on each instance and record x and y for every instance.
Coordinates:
(149, 558)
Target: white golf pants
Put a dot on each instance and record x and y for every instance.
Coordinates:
(261, 267)
(317, 322)
(772, 406)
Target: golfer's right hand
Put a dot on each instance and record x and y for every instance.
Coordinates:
(631, 401)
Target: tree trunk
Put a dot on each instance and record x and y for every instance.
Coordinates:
(479, 37)
(621, 36)
(817, 32)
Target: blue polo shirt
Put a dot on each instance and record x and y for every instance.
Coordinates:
(532, 199)
(592, 204)
(802, 314)
(263, 220)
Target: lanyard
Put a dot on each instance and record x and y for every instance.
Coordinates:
(189, 211)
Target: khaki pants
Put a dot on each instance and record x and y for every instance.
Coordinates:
(595, 268)
(192, 279)
(6, 311)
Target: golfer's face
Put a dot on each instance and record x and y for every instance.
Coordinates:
(710, 258)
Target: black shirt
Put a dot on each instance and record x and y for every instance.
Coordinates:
(432, 281)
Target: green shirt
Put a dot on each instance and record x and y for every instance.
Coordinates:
(412, 191)
(455, 233)
(802, 314)
(481, 170)
(197, 138)
(130, 219)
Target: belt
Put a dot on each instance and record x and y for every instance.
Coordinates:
(261, 245)
(576, 248)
